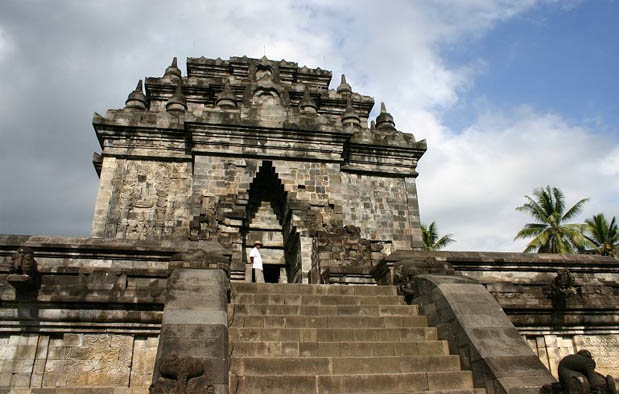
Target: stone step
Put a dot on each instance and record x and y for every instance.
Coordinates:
(326, 321)
(322, 310)
(291, 338)
(338, 349)
(465, 391)
(427, 382)
(342, 365)
(408, 334)
(76, 390)
(296, 288)
(313, 299)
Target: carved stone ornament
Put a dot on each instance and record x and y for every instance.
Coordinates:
(404, 273)
(563, 286)
(577, 376)
(23, 269)
(403, 278)
(181, 376)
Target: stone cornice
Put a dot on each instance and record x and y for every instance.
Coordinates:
(385, 159)
(268, 142)
(162, 135)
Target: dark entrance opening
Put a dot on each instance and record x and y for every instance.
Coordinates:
(268, 220)
(271, 273)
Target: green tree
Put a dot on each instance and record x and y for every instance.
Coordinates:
(551, 234)
(603, 237)
(431, 241)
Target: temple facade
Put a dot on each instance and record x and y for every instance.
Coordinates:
(245, 149)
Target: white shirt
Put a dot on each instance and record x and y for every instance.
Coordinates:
(257, 258)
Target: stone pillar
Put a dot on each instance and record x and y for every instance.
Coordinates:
(193, 347)
(104, 195)
(249, 272)
(306, 258)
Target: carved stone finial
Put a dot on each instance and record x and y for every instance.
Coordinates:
(344, 87)
(384, 120)
(173, 71)
(177, 103)
(226, 98)
(136, 99)
(307, 104)
(350, 118)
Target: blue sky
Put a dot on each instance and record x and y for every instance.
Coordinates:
(510, 95)
(556, 59)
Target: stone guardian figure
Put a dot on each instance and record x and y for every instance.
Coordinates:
(577, 375)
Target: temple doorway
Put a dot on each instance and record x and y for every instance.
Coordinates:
(267, 221)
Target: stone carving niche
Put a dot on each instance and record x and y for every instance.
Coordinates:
(562, 287)
(269, 105)
(23, 269)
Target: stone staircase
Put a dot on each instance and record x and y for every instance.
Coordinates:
(292, 338)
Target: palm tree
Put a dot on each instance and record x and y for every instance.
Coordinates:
(604, 237)
(431, 240)
(550, 233)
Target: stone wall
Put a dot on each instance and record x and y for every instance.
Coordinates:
(342, 252)
(306, 197)
(143, 199)
(89, 313)
(76, 360)
(379, 207)
(313, 196)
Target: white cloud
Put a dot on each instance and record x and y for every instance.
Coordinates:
(69, 59)
(5, 45)
(471, 182)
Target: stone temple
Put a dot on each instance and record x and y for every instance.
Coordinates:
(246, 150)
(197, 168)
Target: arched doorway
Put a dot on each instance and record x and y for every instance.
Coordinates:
(268, 221)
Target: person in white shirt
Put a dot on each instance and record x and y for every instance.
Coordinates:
(256, 260)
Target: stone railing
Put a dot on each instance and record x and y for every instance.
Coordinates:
(478, 330)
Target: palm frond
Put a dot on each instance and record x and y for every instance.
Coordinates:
(530, 230)
(443, 241)
(603, 236)
(431, 239)
(574, 210)
(558, 197)
(534, 209)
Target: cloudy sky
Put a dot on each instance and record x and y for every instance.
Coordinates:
(510, 95)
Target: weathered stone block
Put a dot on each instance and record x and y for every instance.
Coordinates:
(195, 325)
